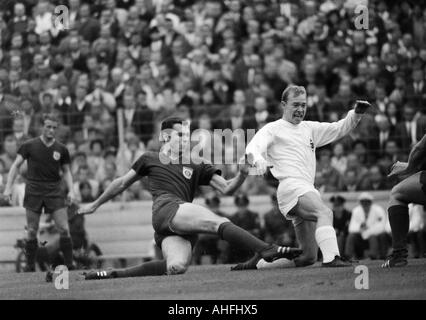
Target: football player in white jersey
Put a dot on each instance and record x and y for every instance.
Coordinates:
(288, 146)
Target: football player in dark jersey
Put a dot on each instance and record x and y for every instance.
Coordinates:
(412, 189)
(46, 158)
(173, 179)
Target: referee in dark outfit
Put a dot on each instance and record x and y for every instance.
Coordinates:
(47, 159)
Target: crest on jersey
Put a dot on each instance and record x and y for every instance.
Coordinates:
(312, 144)
(187, 172)
(56, 155)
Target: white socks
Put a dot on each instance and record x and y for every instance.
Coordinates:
(327, 241)
(279, 263)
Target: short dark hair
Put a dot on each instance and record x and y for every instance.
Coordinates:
(168, 123)
(96, 141)
(50, 116)
(241, 200)
(213, 200)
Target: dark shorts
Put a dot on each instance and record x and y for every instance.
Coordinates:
(423, 180)
(164, 209)
(37, 203)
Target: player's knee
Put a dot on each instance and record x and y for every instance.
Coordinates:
(212, 225)
(324, 212)
(176, 268)
(397, 193)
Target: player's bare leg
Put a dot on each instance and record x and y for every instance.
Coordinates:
(192, 218)
(31, 246)
(177, 252)
(310, 207)
(410, 190)
(65, 243)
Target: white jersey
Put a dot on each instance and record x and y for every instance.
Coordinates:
(290, 149)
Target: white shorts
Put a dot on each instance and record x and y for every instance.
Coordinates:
(288, 193)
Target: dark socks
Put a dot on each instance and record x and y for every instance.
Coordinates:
(65, 244)
(151, 268)
(43, 255)
(240, 237)
(30, 253)
(399, 221)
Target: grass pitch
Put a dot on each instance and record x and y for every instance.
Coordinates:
(217, 282)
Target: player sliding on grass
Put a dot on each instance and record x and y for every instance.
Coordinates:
(289, 145)
(412, 189)
(175, 219)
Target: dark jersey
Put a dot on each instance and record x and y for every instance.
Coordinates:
(179, 180)
(44, 166)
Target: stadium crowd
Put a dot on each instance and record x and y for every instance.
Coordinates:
(220, 64)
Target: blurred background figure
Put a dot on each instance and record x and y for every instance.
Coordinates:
(416, 234)
(341, 219)
(277, 229)
(367, 230)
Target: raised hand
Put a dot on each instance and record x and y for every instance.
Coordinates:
(361, 106)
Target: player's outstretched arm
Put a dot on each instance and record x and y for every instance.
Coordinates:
(228, 187)
(13, 172)
(328, 132)
(116, 187)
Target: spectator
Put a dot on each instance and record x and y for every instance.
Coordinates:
(79, 160)
(86, 192)
(339, 160)
(84, 176)
(87, 26)
(131, 150)
(277, 229)
(409, 130)
(10, 146)
(19, 130)
(367, 229)
(416, 234)
(95, 159)
(374, 180)
(331, 177)
(416, 90)
(341, 219)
